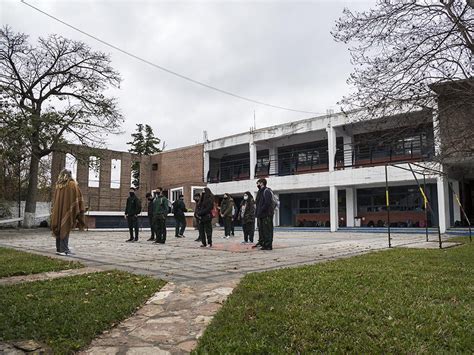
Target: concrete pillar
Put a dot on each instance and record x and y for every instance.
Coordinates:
(253, 157)
(443, 203)
(333, 208)
(331, 146)
(456, 208)
(347, 151)
(273, 156)
(351, 206)
(206, 165)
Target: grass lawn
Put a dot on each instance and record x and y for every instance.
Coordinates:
(67, 313)
(14, 263)
(395, 301)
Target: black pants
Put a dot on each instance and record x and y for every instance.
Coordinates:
(249, 230)
(159, 222)
(62, 245)
(133, 225)
(150, 219)
(227, 225)
(180, 225)
(205, 229)
(265, 231)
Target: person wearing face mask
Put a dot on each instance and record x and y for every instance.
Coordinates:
(197, 197)
(226, 214)
(178, 210)
(160, 211)
(264, 213)
(247, 216)
(204, 212)
(149, 198)
(132, 210)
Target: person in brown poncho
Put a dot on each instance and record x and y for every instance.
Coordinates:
(68, 211)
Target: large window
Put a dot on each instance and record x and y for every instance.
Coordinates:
(402, 198)
(317, 202)
(94, 172)
(302, 157)
(174, 193)
(195, 190)
(71, 164)
(115, 170)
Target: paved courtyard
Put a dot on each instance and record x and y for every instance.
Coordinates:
(199, 279)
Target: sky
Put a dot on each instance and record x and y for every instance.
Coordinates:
(277, 52)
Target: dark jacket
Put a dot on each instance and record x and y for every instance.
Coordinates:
(249, 213)
(226, 207)
(160, 206)
(205, 206)
(179, 208)
(134, 206)
(150, 208)
(264, 203)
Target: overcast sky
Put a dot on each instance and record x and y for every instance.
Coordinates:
(278, 52)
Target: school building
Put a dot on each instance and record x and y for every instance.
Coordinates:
(327, 171)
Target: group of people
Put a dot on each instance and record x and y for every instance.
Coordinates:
(68, 213)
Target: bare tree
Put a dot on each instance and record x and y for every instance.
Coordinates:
(401, 50)
(57, 92)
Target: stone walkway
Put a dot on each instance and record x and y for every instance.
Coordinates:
(200, 279)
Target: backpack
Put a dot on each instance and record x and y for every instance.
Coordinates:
(275, 203)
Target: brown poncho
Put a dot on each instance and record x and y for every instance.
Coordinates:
(68, 209)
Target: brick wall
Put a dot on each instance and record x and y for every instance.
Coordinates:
(182, 167)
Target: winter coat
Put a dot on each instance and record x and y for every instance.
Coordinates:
(264, 203)
(160, 206)
(68, 210)
(249, 212)
(226, 207)
(179, 208)
(134, 206)
(204, 207)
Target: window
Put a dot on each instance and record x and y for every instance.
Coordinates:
(94, 172)
(135, 174)
(71, 164)
(115, 169)
(175, 193)
(196, 190)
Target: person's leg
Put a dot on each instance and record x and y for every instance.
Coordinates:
(130, 227)
(199, 238)
(202, 234)
(152, 237)
(268, 232)
(177, 226)
(135, 227)
(164, 228)
(251, 231)
(63, 244)
(246, 234)
(183, 225)
(232, 230)
(260, 231)
(58, 241)
(157, 225)
(227, 226)
(209, 232)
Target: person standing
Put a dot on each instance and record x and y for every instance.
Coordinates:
(204, 212)
(160, 211)
(132, 210)
(149, 198)
(68, 211)
(197, 197)
(247, 216)
(178, 210)
(226, 214)
(264, 213)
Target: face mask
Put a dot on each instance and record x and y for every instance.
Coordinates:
(246, 197)
(225, 197)
(131, 194)
(259, 186)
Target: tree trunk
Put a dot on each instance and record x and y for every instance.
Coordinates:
(30, 207)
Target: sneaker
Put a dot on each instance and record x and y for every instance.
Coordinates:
(62, 253)
(203, 246)
(69, 252)
(197, 240)
(210, 245)
(256, 245)
(227, 237)
(129, 240)
(266, 248)
(244, 242)
(150, 239)
(135, 240)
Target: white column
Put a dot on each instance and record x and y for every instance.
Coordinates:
(347, 151)
(276, 215)
(456, 208)
(333, 208)
(273, 155)
(253, 157)
(331, 146)
(206, 165)
(351, 206)
(443, 203)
